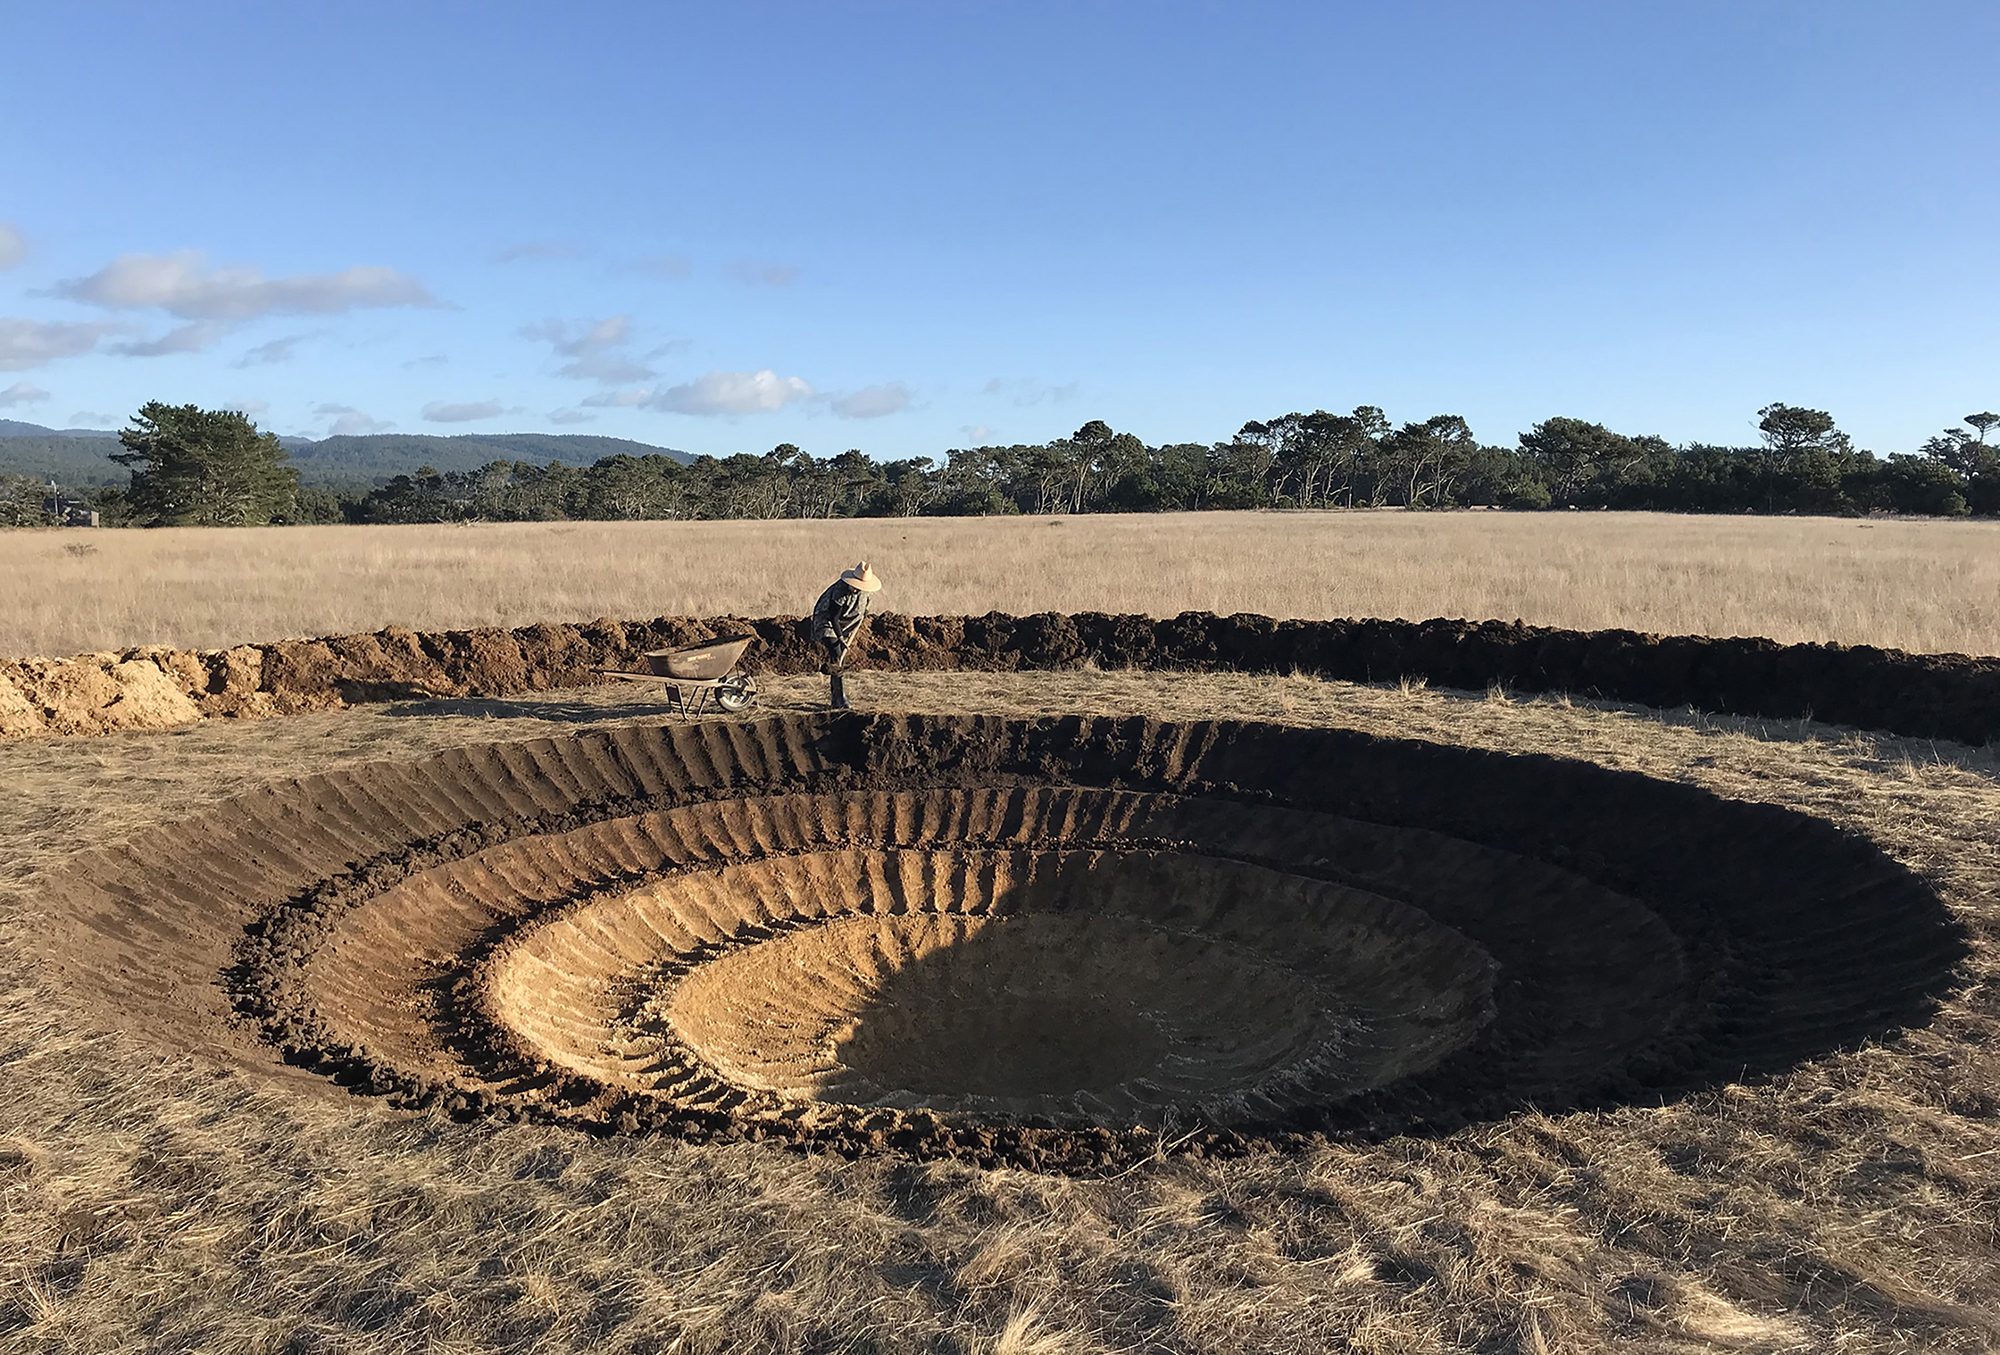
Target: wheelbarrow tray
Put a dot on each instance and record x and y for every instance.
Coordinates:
(708, 662)
(692, 674)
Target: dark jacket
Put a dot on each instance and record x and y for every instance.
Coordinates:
(838, 614)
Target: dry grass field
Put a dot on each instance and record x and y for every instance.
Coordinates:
(1925, 586)
(1853, 1204)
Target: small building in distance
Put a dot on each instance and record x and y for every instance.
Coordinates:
(68, 510)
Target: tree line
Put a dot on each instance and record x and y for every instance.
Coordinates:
(214, 468)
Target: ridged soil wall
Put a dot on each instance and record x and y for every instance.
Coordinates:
(849, 933)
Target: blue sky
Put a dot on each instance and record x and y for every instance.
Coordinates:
(905, 227)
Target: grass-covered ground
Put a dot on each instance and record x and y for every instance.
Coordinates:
(1919, 585)
(159, 1204)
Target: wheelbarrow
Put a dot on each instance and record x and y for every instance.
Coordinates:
(694, 675)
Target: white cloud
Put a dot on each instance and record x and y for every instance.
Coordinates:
(608, 368)
(661, 266)
(756, 273)
(181, 285)
(873, 402)
(529, 250)
(719, 393)
(618, 399)
(732, 393)
(21, 393)
(33, 343)
(13, 245)
(590, 345)
(581, 337)
(90, 418)
(186, 339)
(434, 360)
(1026, 391)
(349, 422)
(252, 409)
(571, 416)
(277, 350)
(440, 411)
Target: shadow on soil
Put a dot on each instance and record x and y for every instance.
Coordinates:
(530, 708)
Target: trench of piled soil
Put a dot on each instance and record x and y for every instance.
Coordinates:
(842, 933)
(1918, 695)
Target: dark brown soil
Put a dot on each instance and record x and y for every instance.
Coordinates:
(1945, 696)
(384, 927)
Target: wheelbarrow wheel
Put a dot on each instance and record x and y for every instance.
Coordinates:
(735, 693)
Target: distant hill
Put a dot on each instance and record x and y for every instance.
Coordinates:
(380, 456)
(14, 428)
(67, 459)
(75, 456)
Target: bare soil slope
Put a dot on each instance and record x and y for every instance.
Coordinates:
(807, 930)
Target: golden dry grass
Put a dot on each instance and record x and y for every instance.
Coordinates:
(1927, 586)
(1852, 1205)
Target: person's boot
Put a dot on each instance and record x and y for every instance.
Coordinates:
(837, 697)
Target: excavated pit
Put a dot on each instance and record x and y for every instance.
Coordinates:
(1092, 987)
(1061, 944)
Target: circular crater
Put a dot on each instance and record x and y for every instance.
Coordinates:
(1063, 944)
(972, 1014)
(1089, 986)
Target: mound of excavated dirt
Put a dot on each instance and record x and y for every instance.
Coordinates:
(1922, 695)
(1060, 944)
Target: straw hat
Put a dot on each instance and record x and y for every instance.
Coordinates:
(861, 577)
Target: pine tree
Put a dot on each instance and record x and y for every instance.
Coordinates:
(196, 467)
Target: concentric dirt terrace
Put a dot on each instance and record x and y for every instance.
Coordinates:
(1061, 944)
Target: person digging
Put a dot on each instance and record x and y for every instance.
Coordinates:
(836, 620)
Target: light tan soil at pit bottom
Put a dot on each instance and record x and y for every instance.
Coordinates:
(1849, 1205)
